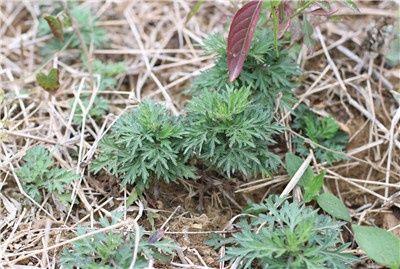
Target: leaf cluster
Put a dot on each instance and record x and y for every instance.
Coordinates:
(231, 133)
(279, 234)
(112, 250)
(39, 172)
(265, 73)
(144, 145)
(321, 131)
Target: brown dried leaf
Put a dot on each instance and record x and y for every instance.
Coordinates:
(56, 26)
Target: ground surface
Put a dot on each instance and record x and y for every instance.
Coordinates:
(163, 55)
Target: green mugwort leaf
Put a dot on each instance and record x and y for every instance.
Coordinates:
(333, 206)
(50, 81)
(56, 26)
(379, 245)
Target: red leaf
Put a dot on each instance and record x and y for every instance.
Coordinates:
(240, 35)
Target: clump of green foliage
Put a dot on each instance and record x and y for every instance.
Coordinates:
(279, 234)
(322, 131)
(265, 73)
(144, 145)
(87, 25)
(111, 250)
(230, 132)
(108, 73)
(39, 173)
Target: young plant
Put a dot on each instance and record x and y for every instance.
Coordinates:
(108, 73)
(111, 250)
(227, 131)
(324, 132)
(279, 234)
(144, 145)
(38, 173)
(267, 75)
(86, 23)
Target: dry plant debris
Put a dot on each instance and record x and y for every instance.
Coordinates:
(346, 77)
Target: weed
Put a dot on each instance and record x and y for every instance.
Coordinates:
(279, 234)
(324, 132)
(111, 250)
(38, 172)
(86, 23)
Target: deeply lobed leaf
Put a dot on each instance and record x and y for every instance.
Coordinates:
(38, 172)
(324, 132)
(144, 145)
(279, 234)
(112, 250)
(229, 132)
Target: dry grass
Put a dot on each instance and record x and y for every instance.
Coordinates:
(340, 79)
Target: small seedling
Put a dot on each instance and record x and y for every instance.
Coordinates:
(108, 73)
(98, 109)
(38, 173)
(279, 234)
(112, 250)
(324, 132)
(86, 22)
(393, 54)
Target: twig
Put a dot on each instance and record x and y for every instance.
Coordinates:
(296, 177)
